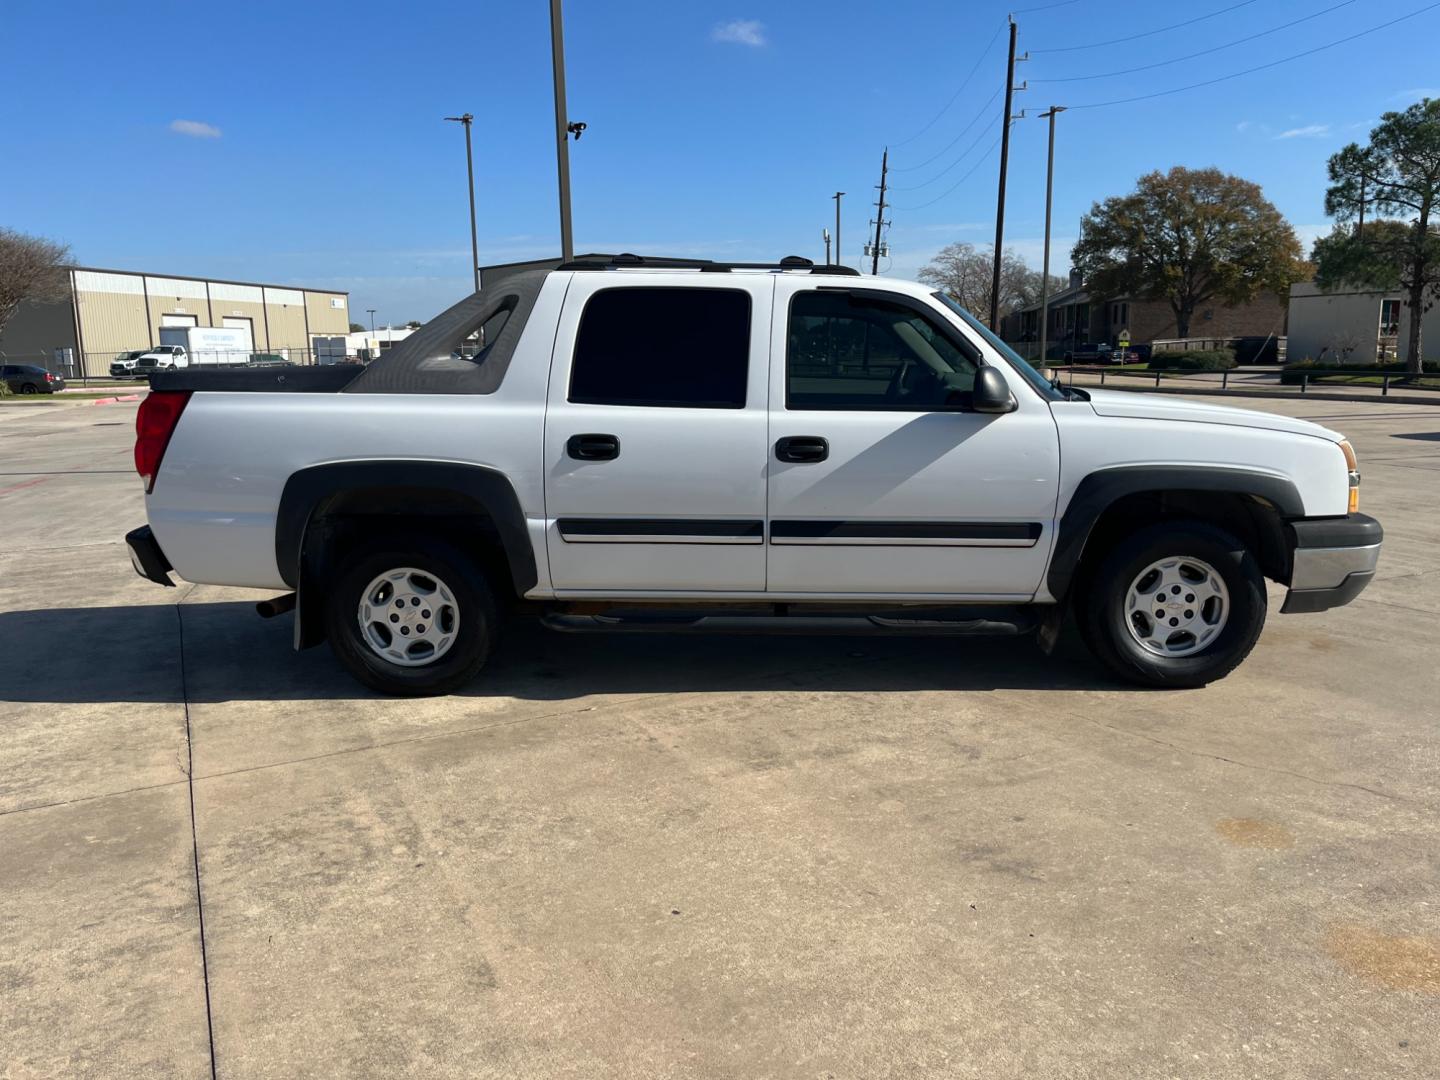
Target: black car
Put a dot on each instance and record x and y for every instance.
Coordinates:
(30, 379)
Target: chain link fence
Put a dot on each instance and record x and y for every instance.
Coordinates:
(107, 368)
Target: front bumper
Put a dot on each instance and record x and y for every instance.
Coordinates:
(1332, 560)
(147, 558)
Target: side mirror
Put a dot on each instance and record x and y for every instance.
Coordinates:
(991, 395)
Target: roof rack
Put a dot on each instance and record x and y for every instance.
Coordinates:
(659, 262)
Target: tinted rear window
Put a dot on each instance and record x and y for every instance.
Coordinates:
(677, 347)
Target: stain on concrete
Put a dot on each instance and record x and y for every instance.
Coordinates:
(1390, 960)
(1251, 832)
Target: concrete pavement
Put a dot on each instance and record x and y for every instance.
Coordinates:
(695, 857)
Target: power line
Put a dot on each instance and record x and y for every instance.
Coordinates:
(1203, 52)
(961, 134)
(956, 96)
(950, 190)
(1145, 34)
(1262, 67)
(962, 156)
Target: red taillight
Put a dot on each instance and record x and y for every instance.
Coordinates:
(154, 424)
(49, 376)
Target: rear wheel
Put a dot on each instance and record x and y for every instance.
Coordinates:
(29, 388)
(411, 616)
(1178, 604)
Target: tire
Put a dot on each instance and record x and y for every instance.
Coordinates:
(29, 388)
(1232, 609)
(461, 588)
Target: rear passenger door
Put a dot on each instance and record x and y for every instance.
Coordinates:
(655, 434)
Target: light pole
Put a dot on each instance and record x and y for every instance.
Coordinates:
(371, 310)
(1045, 269)
(836, 197)
(562, 128)
(470, 174)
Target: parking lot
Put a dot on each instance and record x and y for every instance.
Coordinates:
(704, 857)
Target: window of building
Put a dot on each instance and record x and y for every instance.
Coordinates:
(677, 347)
(1389, 318)
(851, 352)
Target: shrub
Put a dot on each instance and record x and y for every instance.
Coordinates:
(1193, 360)
(1294, 372)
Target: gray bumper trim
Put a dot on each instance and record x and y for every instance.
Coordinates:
(1327, 568)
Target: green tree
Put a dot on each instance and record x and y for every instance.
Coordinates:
(356, 328)
(1397, 176)
(1188, 237)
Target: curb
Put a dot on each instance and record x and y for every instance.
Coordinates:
(110, 400)
(1287, 395)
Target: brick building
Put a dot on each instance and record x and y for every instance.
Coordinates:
(1077, 317)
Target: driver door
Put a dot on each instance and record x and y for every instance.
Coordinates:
(880, 483)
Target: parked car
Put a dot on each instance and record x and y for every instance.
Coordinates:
(1098, 353)
(124, 365)
(31, 379)
(634, 449)
(161, 358)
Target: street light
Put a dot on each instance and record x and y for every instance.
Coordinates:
(470, 173)
(371, 311)
(836, 197)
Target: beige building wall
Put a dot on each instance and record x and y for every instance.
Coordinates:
(326, 318)
(176, 296)
(112, 316)
(241, 302)
(1324, 324)
(285, 308)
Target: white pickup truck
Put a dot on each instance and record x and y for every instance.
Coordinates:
(672, 445)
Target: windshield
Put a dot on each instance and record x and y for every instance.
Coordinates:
(1018, 362)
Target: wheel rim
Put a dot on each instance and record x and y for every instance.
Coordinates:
(1177, 606)
(28, 389)
(408, 617)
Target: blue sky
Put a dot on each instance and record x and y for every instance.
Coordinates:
(303, 142)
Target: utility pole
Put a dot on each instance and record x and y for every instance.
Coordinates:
(836, 197)
(562, 128)
(879, 214)
(1004, 165)
(826, 233)
(1045, 268)
(470, 172)
(371, 310)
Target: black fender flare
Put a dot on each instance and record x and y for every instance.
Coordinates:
(400, 487)
(1100, 489)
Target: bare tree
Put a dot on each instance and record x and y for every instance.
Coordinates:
(31, 268)
(965, 273)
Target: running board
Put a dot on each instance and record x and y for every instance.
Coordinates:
(999, 624)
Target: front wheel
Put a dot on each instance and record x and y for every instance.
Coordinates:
(1179, 604)
(411, 616)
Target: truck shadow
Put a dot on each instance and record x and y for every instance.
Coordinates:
(136, 654)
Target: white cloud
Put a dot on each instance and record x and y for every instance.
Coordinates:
(1309, 131)
(1416, 93)
(740, 32)
(196, 129)
(1244, 125)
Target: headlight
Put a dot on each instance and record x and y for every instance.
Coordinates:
(1352, 466)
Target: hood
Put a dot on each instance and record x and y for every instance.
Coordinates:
(1125, 403)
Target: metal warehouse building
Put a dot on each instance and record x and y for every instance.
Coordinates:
(111, 312)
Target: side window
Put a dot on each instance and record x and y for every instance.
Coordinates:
(849, 352)
(676, 347)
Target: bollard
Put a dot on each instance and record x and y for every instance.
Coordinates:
(1224, 380)
(1304, 381)
(1157, 380)
(1385, 385)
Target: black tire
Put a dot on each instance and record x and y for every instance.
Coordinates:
(1102, 605)
(475, 600)
(29, 388)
